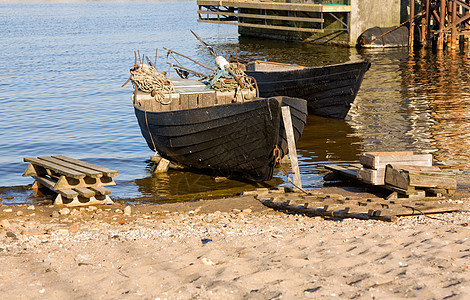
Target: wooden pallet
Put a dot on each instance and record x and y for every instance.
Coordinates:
(76, 182)
(343, 207)
(401, 191)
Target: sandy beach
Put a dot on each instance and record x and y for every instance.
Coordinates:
(227, 249)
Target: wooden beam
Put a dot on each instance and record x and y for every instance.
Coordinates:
(277, 6)
(105, 171)
(266, 26)
(286, 117)
(54, 167)
(263, 17)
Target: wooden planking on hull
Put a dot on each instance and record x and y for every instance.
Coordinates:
(251, 160)
(317, 86)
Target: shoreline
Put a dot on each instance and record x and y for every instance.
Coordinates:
(232, 248)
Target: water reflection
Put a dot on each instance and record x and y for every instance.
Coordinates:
(184, 185)
(417, 101)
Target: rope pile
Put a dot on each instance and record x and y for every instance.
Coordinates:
(147, 79)
(221, 80)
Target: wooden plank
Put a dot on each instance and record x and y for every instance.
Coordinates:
(207, 99)
(417, 210)
(258, 16)
(84, 192)
(378, 160)
(56, 168)
(100, 190)
(162, 166)
(350, 172)
(277, 6)
(184, 101)
(371, 176)
(174, 104)
(49, 183)
(105, 171)
(194, 100)
(404, 178)
(287, 28)
(89, 172)
(286, 116)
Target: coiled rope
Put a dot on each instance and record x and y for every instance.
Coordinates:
(147, 79)
(221, 80)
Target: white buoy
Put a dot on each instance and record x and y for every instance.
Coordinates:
(222, 62)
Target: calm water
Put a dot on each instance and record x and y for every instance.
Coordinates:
(63, 64)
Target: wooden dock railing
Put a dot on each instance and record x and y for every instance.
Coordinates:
(299, 17)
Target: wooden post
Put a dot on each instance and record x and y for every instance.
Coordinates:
(442, 18)
(412, 24)
(286, 116)
(162, 166)
(425, 25)
(453, 38)
(466, 27)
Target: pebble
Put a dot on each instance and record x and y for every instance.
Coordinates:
(64, 211)
(7, 210)
(92, 208)
(31, 207)
(206, 261)
(11, 234)
(62, 231)
(55, 214)
(127, 210)
(19, 213)
(81, 259)
(75, 212)
(5, 224)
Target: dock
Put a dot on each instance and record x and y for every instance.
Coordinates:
(329, 21)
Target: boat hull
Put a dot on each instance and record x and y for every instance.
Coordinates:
(329, 90)
(230, 140)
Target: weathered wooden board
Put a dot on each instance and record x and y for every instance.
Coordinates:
(373, 208)
(343, 170)
(71, 165)
(54, 167)
(405, 177)
(371, 176)
(105, 171)
(379, 160)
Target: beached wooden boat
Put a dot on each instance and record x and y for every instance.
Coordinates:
(329, 90)
(202, 129)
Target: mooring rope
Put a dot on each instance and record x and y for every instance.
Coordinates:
(277, 154)
(150, 133)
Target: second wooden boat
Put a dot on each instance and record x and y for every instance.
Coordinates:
(329, 90)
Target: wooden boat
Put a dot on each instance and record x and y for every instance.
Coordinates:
(329, 90)
(202, 129)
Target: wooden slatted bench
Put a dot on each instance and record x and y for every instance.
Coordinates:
(76, 182)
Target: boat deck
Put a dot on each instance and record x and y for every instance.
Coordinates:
(188, 94)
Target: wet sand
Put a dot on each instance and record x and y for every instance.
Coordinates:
(228, 248)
